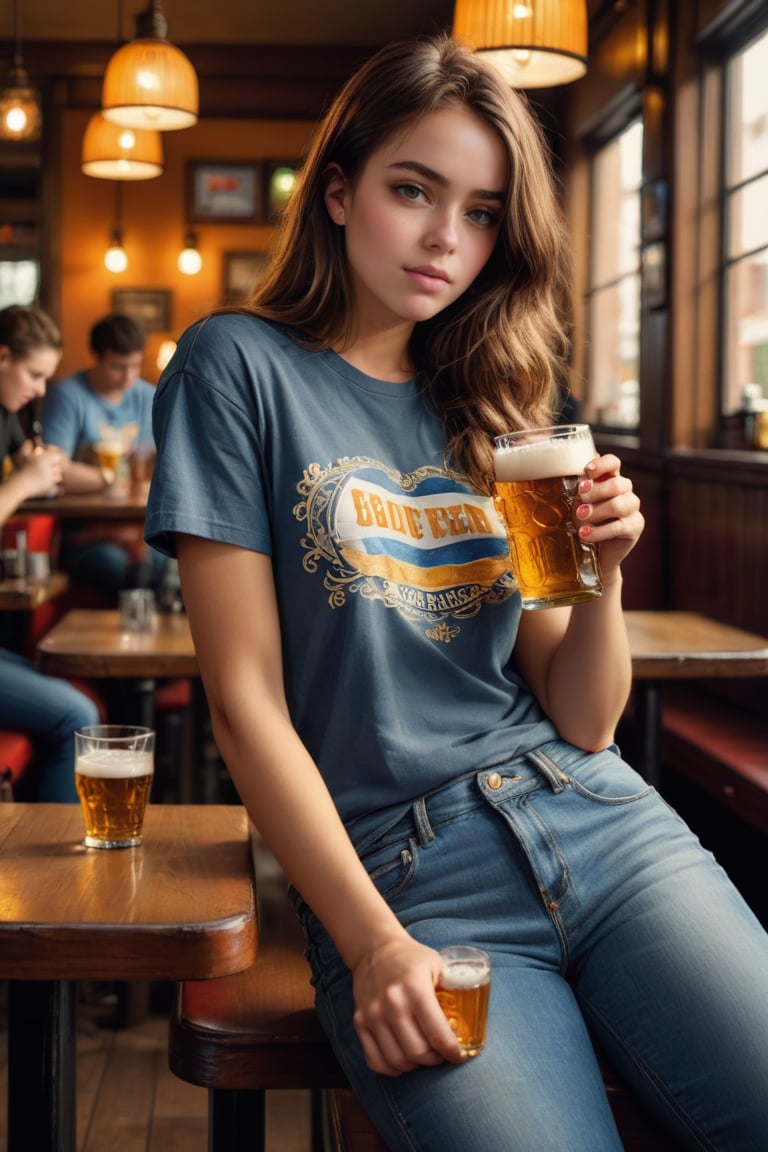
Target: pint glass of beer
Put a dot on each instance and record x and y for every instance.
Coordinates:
(114, 765)
(537, 477)
(463, 991)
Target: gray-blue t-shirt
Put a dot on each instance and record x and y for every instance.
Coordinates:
(75, 416)
(397, 607)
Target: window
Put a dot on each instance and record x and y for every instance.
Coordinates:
(613, 304)
(18, 282)
(745, 245)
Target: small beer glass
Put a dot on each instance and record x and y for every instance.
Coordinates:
(114, 766)
(537, 478)
(463, 992)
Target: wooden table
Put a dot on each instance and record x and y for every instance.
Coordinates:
(682, 646)
(89, 506)
(90, 642)
(181, 906)
(26, 594)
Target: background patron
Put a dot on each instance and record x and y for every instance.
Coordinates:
(100, 417)
(46, 708)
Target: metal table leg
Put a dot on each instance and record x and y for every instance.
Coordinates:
(42, 1064)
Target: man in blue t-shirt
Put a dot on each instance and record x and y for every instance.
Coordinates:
(105, 404)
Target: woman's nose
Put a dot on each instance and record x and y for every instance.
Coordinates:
(443, 232)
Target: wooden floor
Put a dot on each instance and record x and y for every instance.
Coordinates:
(129, 1101)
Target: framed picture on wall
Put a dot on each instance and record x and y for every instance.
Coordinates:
(225, 192)
(654, 209)
(654, 274)
(150, 307)
(241, 271)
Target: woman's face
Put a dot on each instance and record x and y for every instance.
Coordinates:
(24, 379)
(422, 219)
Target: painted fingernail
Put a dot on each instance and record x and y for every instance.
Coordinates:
(583, 511)
(585, 486)
(585, 531)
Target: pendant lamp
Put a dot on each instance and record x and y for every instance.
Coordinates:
(536, 44)
(149, 83)
(114, 153)
(20, 117)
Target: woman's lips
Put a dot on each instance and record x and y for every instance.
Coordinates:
(431, 279)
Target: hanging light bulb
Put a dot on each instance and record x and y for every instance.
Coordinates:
(114, 153)
(189, 259)
(149, 83)
(115, 258)
(20, 116)
(535, 45)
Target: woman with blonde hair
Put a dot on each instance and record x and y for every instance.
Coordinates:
(430, 764)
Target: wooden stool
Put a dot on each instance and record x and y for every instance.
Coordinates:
(242, 1035)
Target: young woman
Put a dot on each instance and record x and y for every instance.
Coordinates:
(47, 708)
(430, 764)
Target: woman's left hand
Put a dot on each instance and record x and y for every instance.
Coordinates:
(608, 511)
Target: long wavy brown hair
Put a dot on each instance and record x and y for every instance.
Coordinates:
(494, 359)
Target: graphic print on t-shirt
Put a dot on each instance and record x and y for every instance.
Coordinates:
(424, 543)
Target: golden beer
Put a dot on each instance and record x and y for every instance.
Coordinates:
(113, 782)
(463, 993)
(109, 453)
(537, 477)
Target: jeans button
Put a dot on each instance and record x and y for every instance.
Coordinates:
(495, 781)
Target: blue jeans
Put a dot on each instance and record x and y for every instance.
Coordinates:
(109, 565)
(48, 710)
(606, 920)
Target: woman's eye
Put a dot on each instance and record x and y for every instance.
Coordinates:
(410, 191)
(486, 217)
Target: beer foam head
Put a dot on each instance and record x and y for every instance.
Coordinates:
(464, 974)
(115, 763)
(541, 459)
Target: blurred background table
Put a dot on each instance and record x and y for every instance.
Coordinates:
(89, 505)
(26, 594)
(181, 906)
(668, 645)
(91, 644)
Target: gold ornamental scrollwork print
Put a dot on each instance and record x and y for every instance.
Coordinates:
(423, 542)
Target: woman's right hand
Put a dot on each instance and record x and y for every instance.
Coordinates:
(397, 1018)
(41, 471)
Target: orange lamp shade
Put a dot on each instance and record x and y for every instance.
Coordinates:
(149, 83)
(535, 43)
(114, 153)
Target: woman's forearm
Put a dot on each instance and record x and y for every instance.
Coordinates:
(288, 801)
(590, 675)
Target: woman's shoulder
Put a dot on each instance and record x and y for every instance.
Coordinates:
(233, 342)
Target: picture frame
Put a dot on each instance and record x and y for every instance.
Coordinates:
(653, 200)
(241, 271)
(654, 274)
(149, 307)
(225, 192)
(279, 181)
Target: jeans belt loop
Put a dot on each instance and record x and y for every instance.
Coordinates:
(553, 775)
(423, 826)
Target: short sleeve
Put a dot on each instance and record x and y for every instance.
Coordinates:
(208, 479)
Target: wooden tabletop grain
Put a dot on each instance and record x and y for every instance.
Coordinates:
(91, 642)
(686, 646)
(179, 906)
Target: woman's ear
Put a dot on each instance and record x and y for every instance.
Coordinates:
(335, 192)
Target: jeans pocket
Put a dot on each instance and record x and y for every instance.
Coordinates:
(601, 776)
(391, 868)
